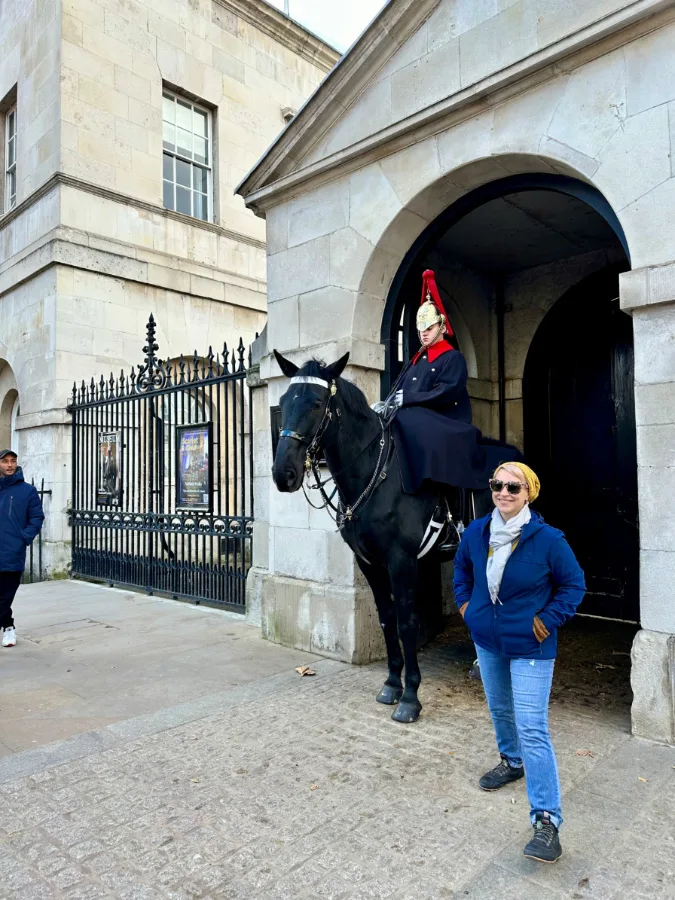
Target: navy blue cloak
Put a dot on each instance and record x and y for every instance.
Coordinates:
(432, 429)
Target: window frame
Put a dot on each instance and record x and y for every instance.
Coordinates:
(176, 97)
(10, 199)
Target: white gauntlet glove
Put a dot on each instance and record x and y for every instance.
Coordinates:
(398, 398)
(379, 407)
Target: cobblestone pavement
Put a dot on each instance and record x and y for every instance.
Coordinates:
(295, 788)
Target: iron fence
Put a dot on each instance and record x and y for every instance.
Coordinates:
(162, 476)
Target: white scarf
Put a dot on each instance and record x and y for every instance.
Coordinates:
(502, 536)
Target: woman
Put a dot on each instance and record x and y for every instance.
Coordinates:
(516, 582)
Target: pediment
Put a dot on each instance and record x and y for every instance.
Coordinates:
(420, 60)
(354, 99)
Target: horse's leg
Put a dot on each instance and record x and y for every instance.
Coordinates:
(378, 579)
(403, 575)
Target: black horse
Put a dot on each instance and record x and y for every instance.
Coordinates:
(322, 413)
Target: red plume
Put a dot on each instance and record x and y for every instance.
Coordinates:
(429, 286)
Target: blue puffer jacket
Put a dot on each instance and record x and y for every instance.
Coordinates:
(21, 519)
(541, 578)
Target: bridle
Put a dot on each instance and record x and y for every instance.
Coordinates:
(342, 513)
(313, 444)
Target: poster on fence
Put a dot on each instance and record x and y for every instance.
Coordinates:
(194, 472)
(109, 487)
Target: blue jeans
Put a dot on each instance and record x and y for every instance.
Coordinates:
(517, 692)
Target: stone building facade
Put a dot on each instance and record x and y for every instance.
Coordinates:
(530, 137)
(134, 120)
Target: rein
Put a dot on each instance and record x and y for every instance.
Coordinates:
(342, 513)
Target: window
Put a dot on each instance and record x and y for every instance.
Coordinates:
(187, 157)
(10, 159)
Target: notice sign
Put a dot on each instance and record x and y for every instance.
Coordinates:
(109, 487)
(193, 457)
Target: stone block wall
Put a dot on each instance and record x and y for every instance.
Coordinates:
(473, 93)
(116, 57)
(30, 33)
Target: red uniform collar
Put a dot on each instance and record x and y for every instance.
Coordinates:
(432, 352)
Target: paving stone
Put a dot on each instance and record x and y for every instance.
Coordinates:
(307, 790)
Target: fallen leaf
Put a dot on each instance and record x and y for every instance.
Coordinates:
(452, 753)
(314, 787)
(196, 780)
(642, 779)
(585, 753)
(305, 670)
(583, 882)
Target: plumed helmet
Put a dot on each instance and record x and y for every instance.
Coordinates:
(431, 311)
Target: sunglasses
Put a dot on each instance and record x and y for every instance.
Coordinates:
(513, 487)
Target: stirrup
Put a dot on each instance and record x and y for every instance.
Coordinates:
(451, 539)
(442, 534)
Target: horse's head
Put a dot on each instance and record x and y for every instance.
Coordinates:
(302, 412)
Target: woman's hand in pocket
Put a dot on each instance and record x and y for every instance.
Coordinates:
(462, 608)
(541, 632)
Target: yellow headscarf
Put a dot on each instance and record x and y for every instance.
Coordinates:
(527, 474)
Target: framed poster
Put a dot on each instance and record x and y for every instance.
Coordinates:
(109, 482)
(194, 470)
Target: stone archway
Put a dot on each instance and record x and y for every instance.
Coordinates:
(505, 252)
(9, 406)
(401, 288)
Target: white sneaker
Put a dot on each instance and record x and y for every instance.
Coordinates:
(9, 637)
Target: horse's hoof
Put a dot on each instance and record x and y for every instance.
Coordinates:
(407, 712)
(389, 695)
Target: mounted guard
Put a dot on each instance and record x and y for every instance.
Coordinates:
(436, 441)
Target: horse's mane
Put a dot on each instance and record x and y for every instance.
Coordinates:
(354, 398)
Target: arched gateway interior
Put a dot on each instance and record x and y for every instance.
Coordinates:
(528, 267)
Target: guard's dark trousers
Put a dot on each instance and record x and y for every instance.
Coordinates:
(9, 584)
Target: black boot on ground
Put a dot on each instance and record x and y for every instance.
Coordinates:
(502, 774)
(545, 843)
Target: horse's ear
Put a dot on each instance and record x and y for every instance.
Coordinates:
(287, 367)
(334, 371)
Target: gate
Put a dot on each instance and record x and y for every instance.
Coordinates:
(162, 477)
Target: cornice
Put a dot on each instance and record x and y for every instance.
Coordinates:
(59, 179)
(288, 32)
(395, 23)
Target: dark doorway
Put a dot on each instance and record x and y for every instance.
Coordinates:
(579, 420)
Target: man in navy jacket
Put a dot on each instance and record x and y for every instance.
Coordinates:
(21, 519)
